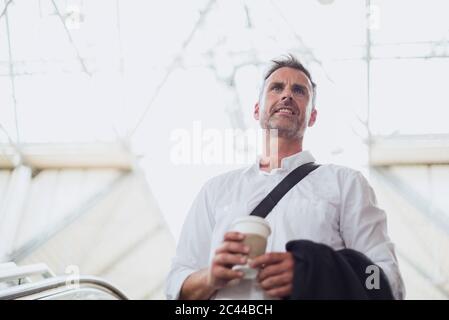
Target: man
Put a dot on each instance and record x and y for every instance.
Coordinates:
(333, 205)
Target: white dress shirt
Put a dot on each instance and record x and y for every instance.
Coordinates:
(333, 205)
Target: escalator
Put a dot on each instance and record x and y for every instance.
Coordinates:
(38, 282)
(94, 212)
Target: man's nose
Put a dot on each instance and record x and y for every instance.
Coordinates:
(287, 96)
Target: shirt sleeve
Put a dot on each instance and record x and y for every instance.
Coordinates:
(363, 226)
(193, 246)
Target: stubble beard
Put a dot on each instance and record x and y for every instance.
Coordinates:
(286, 128)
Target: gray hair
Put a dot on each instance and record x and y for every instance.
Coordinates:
(289, 61)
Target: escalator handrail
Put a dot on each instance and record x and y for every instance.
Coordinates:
(14, 272)
(22, 291)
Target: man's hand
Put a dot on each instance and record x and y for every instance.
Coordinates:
(276, 274)
(230, 253)
(202, 284)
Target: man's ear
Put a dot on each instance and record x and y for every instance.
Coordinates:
(256, 111)
(312, 117)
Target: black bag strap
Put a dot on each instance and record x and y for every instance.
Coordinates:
(293, 178)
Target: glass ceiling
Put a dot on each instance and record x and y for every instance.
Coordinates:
(84, 71)
(101, 70)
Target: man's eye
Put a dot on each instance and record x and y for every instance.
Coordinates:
(277, 88)
(298, 90)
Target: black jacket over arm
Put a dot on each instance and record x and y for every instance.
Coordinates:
(323, 273)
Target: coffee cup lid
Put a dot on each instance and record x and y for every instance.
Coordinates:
(251, 224)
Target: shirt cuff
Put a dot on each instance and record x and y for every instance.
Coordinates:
(175, 283)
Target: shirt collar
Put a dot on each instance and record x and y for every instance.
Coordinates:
(287, 164)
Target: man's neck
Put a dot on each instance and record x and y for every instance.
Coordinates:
(276, 149)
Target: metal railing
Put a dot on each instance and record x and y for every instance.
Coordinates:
(51, 287)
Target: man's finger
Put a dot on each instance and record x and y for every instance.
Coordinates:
(280, 292)
(276, 281)
(233, 236)
(224, 259)
(232, 247)
(267, 259)
(270, 271)
(227, 274)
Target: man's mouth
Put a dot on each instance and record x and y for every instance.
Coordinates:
(285, 111)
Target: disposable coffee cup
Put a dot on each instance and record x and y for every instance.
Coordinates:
(256, 232)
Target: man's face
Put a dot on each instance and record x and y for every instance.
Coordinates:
(285, 103)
